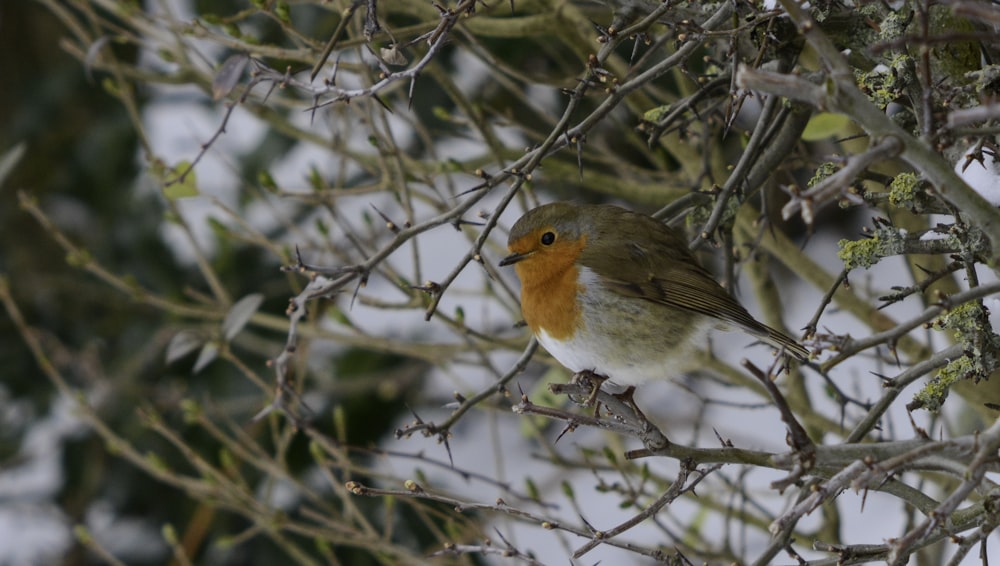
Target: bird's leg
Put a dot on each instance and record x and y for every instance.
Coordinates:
(591, 379)
(626, 397)
(652, 438)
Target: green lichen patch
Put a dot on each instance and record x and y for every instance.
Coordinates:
(964, 319)
(970, 326)
(859, 253)
(934, 394)
(880, 85)
(903, 190)
(884, 241)
(822, 172)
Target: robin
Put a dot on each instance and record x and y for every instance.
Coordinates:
(618, 293)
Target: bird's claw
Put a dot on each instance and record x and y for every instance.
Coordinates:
(592, 380)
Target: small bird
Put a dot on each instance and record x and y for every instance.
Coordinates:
(619, 293)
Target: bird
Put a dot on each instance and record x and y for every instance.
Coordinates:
(619, 294)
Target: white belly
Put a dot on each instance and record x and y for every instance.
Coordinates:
(624, 365)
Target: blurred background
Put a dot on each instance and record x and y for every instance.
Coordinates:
(146, 310)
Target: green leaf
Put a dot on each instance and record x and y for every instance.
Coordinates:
(267, 181)
(654, 115)
(240, 314)
(229, 75)
(10, 159)
(541, 395)
(180, 182)
(282, 12)
(532, 488)
(208, 354)
(169, 534)
(182, 344)
(826, 125)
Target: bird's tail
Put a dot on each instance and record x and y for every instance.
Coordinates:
(786, 343)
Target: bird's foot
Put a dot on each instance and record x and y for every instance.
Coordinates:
(626, 398)
(590, 379)
(652, 438)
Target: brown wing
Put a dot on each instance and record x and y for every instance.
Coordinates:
(660, 269)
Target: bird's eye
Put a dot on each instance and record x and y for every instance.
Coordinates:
(548, 238)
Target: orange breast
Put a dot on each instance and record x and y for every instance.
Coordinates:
(549, 287)
(549, 298)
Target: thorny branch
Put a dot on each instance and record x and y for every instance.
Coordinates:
(415, 490)
(834, 187)
(818, 471)
(519, 172)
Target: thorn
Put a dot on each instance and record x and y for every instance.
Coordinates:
(429, 287)
(388, 223)
(362, 282)
(569, 428)
(409, 97)
(447, 447)
(382, 102)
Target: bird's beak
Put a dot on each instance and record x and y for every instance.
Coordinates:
(513, 258)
